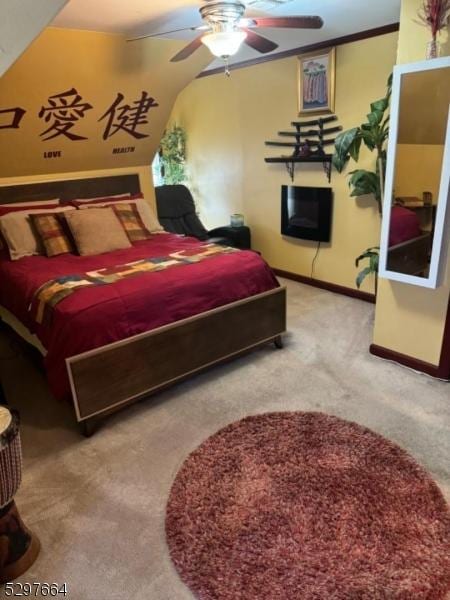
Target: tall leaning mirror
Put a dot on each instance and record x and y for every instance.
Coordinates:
(416, 217)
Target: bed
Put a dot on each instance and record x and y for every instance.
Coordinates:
(109, 345)
(409, 246)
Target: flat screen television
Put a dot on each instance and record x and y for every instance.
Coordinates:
(306, 212)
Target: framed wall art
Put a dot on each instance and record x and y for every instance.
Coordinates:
(316, 82)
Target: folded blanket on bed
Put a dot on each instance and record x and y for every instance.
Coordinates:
(50, 293)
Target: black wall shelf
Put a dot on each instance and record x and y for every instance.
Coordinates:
(290, 161)
(306, 150)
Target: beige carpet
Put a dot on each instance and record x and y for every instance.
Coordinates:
(98, 504)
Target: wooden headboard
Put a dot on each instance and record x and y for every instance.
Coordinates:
(70, 189)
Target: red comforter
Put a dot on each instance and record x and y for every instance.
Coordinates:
(98, 315)
(404, 226)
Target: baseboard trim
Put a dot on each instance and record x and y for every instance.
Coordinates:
(441, 371)
(407, 361)
(326, 285)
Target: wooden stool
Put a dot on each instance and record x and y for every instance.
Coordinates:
(19, 547)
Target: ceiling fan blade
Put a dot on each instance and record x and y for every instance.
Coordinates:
(258, 42)
(188, 50)
(294, 22)
(153, 35)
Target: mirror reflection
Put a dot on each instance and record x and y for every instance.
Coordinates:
(423, 114)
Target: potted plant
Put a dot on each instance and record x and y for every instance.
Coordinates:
(374, 135)
(172, 154)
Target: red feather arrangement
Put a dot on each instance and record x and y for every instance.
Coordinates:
(434, 14)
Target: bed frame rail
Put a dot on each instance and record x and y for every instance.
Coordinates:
(105, 379)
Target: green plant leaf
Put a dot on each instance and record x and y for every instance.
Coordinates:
(375, 117)
(366, 180)
(344, 141)
(372, 254)
(373, 262)
(369, 137)
(362, 275)
(355, 148)
(379, 105)
(365, 254)
(389, 86)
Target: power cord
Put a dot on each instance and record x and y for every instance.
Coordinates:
(313, 264)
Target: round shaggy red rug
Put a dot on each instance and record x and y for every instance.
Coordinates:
(293, 506)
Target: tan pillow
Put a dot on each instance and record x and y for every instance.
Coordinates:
(19, 234)
(97, 230)
(148, 217)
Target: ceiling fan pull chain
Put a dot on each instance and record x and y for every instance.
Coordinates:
(227, 66)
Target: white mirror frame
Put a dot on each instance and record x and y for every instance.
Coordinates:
(442, 225)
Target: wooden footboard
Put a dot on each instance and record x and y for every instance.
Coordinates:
(107, 378)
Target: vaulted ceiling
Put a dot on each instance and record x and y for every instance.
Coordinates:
(21, 21)
(136, 17)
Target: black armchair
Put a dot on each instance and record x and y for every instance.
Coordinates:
(176, 213)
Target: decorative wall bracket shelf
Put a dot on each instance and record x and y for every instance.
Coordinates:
(307, 150)
(290, 162)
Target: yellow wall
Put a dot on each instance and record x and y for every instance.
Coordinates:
(227, 122)
(409, 319)
(98, 66)
(418, 169)
(209, 109)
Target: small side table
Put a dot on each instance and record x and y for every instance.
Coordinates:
(19, 547)
(240, 236)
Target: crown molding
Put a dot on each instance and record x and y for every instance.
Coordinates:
(346, 39)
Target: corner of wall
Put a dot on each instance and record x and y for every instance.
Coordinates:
(411, 320)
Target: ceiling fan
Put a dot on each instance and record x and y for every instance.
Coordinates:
(225, 29)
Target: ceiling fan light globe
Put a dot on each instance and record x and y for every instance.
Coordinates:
(224, 43)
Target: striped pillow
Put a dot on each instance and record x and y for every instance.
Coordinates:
(50, 229)
(130, 218)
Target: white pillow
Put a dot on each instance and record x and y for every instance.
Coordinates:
(148, 217)
(19, 234)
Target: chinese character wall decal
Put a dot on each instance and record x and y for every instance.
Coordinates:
(128, 118)
(10, 118)
(63, 112)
